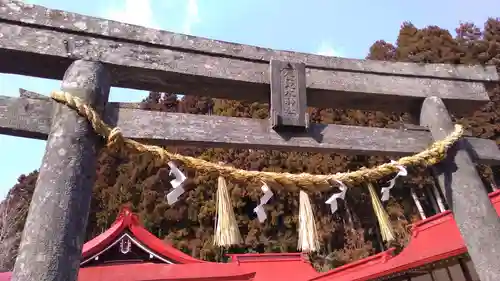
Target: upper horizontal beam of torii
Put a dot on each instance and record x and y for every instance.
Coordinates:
(42, 16)
(42, 42)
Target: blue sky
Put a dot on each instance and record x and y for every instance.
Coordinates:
(329, 27)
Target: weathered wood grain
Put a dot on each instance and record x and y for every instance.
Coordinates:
(49, 18)
(288, 106)
(23, 93)
(54, 232)
(31, 118)
(466, 194)
(47, 53)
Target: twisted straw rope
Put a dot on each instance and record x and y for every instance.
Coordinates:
(432, 155)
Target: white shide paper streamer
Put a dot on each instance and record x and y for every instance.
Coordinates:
(177, 184)
(332, 201)
(386, 191)
(259, 210)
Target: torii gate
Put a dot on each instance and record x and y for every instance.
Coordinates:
(91, 54)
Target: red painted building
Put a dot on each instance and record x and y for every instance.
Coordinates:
(128, 252)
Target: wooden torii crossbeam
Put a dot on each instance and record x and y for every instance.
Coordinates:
(164, 129)
(90, 55)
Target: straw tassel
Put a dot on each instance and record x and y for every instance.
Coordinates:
(382, 217)
(308, 236)
(227, 232)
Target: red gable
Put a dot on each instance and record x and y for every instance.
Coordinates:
(128, 224)
(157, 260)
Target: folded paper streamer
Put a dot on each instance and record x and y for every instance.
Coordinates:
(332, 201)
(386, 191)
(177, 184)
(259, 210)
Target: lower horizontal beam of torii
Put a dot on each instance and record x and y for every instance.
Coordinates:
(31, 117)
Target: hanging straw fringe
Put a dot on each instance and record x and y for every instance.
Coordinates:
(382, 217)
(227, 232)
(308, 236)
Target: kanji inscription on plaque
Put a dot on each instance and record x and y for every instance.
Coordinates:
(288, 96)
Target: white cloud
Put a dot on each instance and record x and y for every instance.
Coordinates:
(138, 12)
(326, 49)
(192, 16)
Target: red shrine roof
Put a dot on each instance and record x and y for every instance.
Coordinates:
(159, 260)
(276, 266)
(427, 246)
(180, 266)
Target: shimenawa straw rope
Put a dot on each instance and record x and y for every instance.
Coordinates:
(226, 228)
(115, 139)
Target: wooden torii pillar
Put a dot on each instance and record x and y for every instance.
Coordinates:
(465, 193)
(54, 232)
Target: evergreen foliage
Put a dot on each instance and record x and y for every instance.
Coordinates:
(348, 235)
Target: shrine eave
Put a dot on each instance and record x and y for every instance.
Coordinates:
(158, 271)
(155, 271)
